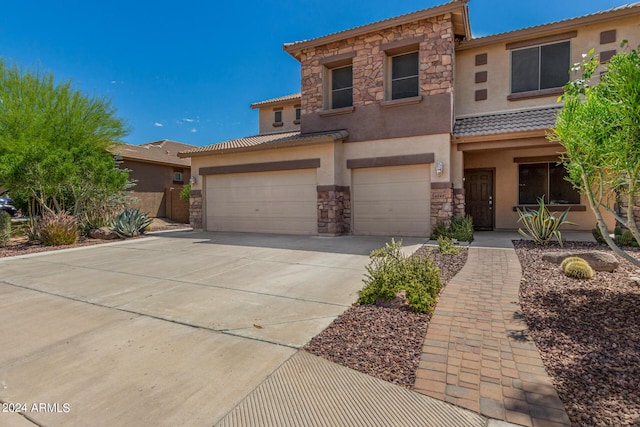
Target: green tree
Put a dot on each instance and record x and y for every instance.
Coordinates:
(54, 144)
(599, 127)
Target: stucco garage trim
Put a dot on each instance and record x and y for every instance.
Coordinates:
(405, 160)
(261, 167)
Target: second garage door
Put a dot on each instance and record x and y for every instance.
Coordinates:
(264, 202)
(391, 201)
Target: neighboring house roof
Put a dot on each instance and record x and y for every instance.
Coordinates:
(457, 7)
(279, 100)
(630, 9)
(516, 121)
(265, 141)
(163, 151)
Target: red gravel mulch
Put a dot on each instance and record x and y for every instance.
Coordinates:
(588, 334)
(383, 342)
(22, 246)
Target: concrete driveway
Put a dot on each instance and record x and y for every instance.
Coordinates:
(174, 329)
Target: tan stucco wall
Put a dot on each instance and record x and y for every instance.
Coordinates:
(499, 69)
(267, 115)
(438, 144)
(506, 186)
(152, 181)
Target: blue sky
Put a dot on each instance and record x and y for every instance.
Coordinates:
(188, 70)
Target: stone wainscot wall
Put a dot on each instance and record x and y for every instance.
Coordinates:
(334, 210)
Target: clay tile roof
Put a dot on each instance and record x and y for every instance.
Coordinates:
(163, 151)
(266, 141)
(362, 29)
(623, 10)
(517, 121)
(292, 97)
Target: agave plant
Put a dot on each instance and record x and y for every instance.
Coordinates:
(541, 225)
(131, 223)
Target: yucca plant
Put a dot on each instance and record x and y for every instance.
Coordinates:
(131, 223)
(541, 225)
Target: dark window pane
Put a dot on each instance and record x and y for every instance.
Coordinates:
(532, 182)
(524, 70)
(404, 66)
(342, 98)
(298, 113)
(404, 88)
(555, 63)
(560, 190)
(341, 78)
(278, 116)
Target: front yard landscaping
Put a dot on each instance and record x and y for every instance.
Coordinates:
(587, 332)
(379, 341)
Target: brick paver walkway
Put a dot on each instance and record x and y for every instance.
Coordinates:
(477, 353)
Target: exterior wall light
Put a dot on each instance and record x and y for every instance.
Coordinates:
(439, 168)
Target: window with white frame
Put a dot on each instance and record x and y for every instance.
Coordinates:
(546, 180)
(540, 67)
(405, 75)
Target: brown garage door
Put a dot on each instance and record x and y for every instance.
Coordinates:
(264, 202)
(391, 201)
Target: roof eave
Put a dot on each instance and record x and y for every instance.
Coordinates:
(155, 162)
(320, 139)
(295, 49)
(542, 30)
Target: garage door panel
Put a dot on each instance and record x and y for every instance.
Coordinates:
(392, 201)
(269, 202)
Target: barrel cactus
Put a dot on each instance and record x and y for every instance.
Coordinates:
(578, 270)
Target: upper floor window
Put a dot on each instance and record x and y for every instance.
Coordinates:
(540, 67)
(545, 180)
(277, 116)
(404, 76)
(342, 87)
(177, 176)
(298, 113)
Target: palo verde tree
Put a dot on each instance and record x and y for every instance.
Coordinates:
(54, 144)
(599, 127)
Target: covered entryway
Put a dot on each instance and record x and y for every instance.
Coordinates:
(478, 188)
(391, 201)
(264, 202)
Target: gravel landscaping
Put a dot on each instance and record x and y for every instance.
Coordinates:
(382, 342)
(20, 245)
(588, 334)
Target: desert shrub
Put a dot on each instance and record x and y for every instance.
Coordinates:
(185, 193)
(390, 271)
(541, 225)
(569, 260)
(597, 234)
(441, 230)
(461, 229)
(131, 223)
(5, 227)
(57, 229)
(578, 270)
(446, 246)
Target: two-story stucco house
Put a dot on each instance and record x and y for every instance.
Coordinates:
(404, 123)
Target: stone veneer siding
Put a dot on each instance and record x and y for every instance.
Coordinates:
(195, 209)
(442, 203)
(458, 202)
(436, 62)
(334, 210)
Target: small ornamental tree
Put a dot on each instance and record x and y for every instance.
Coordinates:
(599, 127)
(54, 145)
